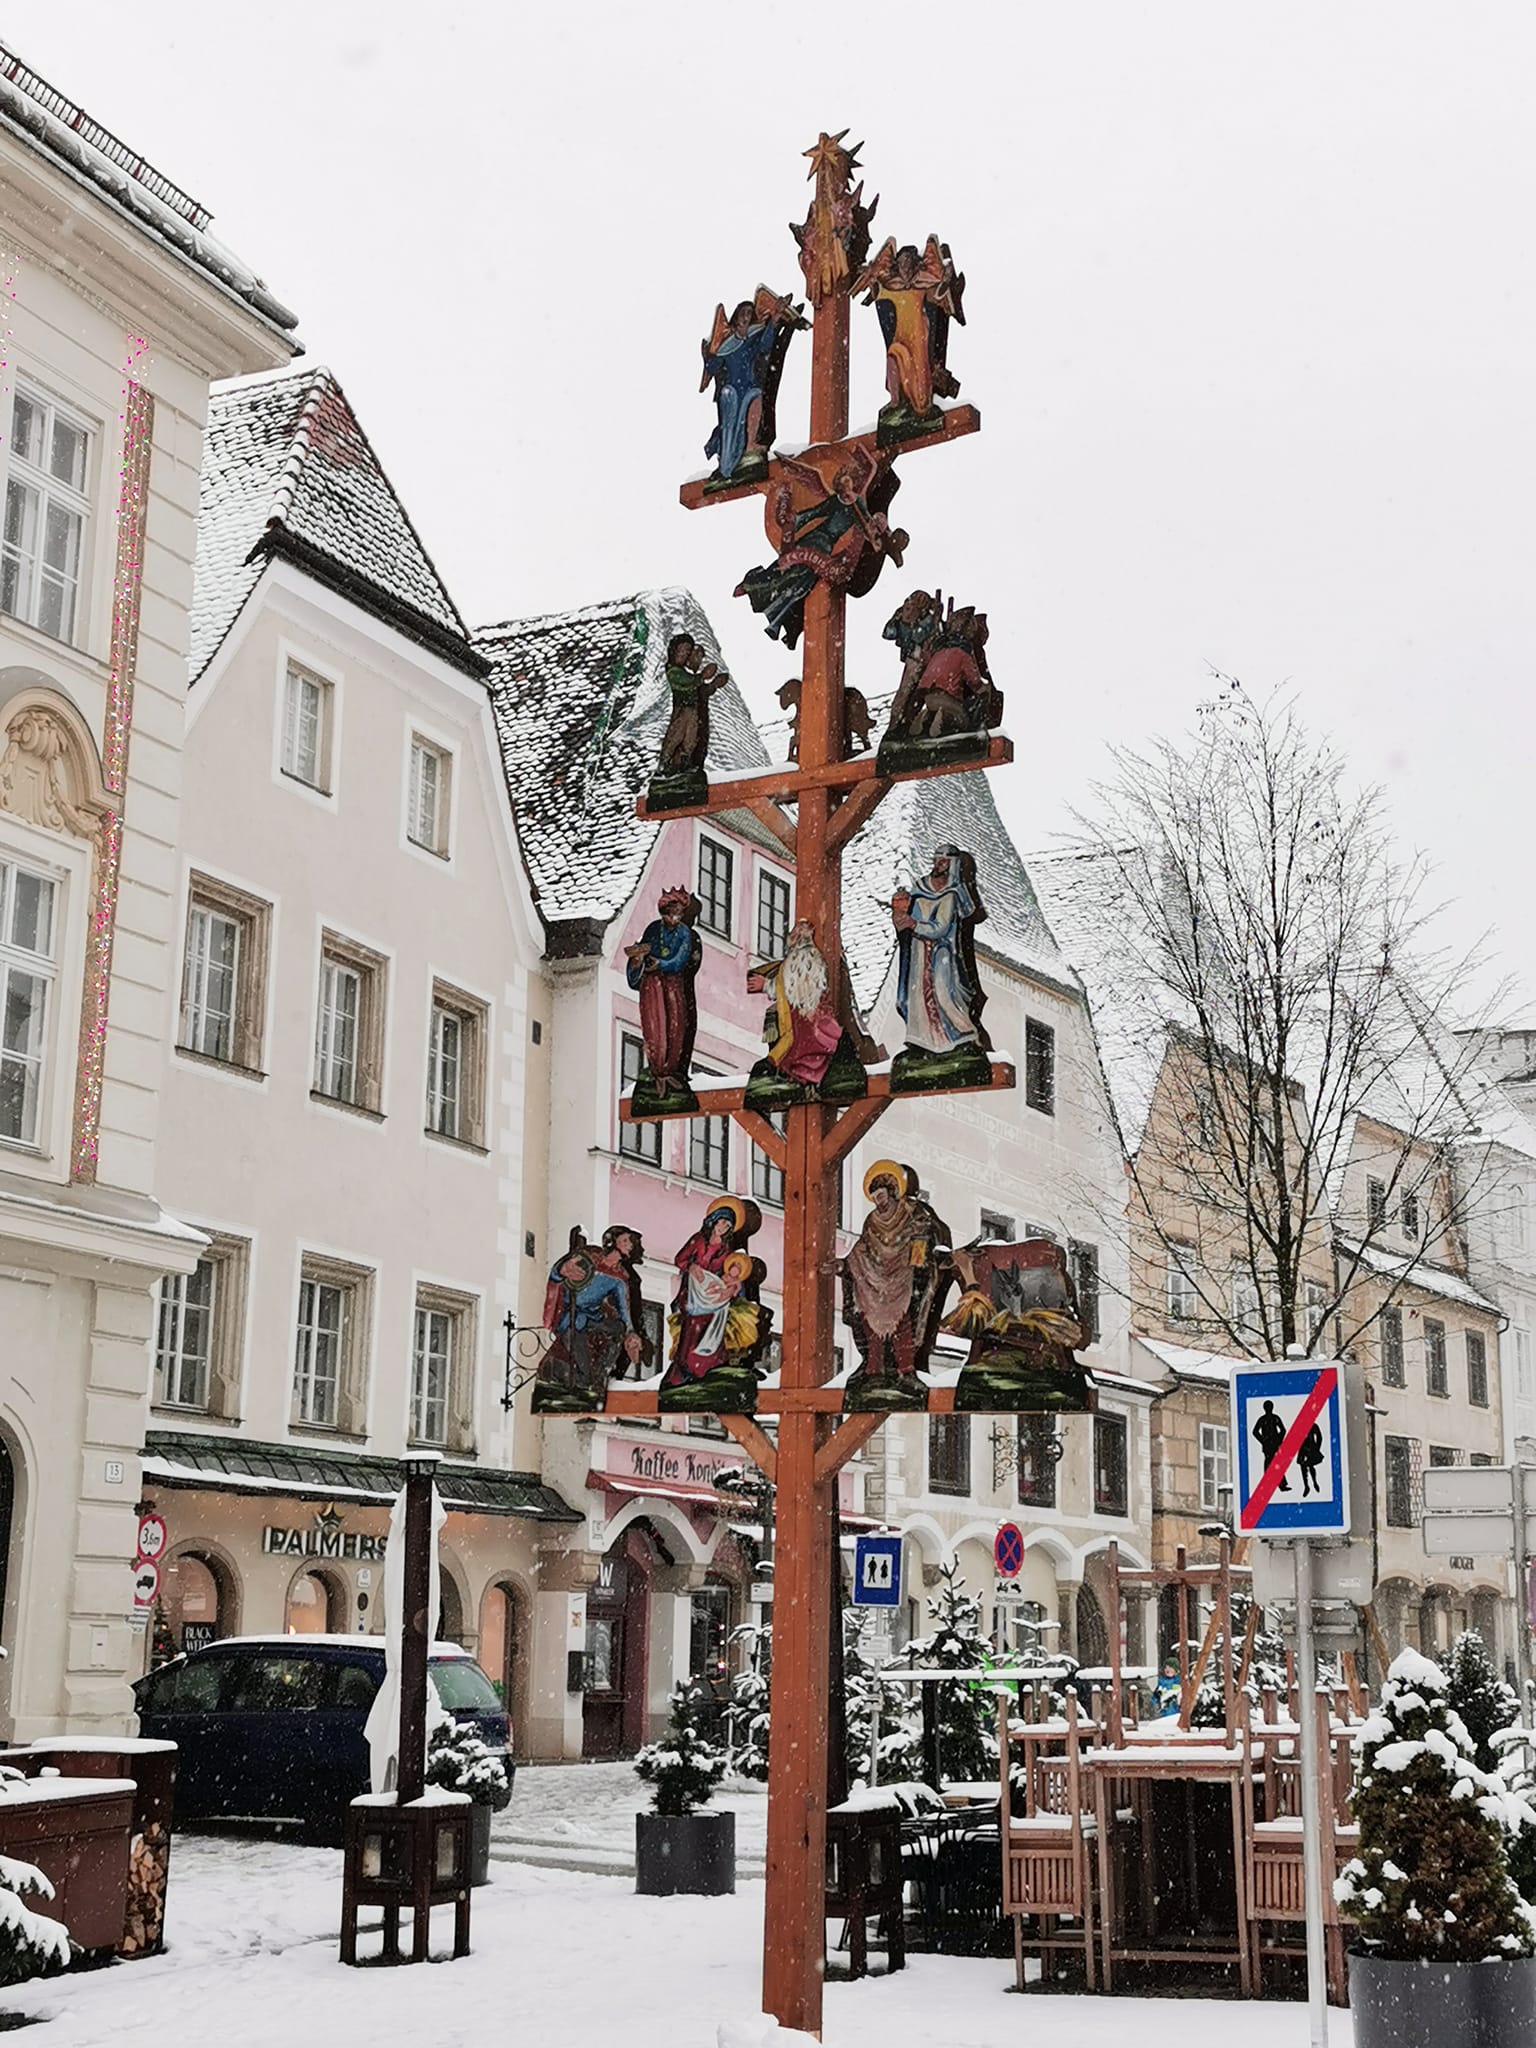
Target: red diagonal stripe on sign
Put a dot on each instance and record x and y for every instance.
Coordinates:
(1290, 1444)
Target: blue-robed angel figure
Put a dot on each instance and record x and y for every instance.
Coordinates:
(938, 992)
(744, 358)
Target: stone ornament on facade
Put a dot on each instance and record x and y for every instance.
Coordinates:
(49, 775)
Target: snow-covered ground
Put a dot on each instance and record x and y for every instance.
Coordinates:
(582, 1816)
(560, 1958)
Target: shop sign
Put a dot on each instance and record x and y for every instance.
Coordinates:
(683, 1466)
(197, 1635)
(326, 1539)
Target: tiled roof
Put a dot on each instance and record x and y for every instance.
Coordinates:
(288, 471)
(1404, 1269)
(172, 220)
(581, 703)
(231, 1464)
(897, 846)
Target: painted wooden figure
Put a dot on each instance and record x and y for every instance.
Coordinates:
(1020, 1311)
(916, 294)
(827, 516)
(681, 779)
(894, 1282)
(718, 1325)
(744, 356)
(662, 967)
(834, 240)
(938, 988)
(589, 1309)
(811, 1055)
(856, 719)
(946, 705)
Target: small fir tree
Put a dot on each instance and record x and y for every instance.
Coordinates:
(1476, 1692)
(684, 1768)
(965, 1709)
(746, 1711)
(461, 1761)
(1431, 1879)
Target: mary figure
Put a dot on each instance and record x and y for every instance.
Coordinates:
(717, 1325)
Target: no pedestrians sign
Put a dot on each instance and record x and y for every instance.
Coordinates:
(1288, 1439)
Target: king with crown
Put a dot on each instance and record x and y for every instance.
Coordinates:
(661, 968)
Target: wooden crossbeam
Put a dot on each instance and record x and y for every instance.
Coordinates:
(727, 1101)
(856, 809)
(774, 819)
(757, 1445)
(786, 783)
(855, 1120)
(953, 422)
(845, 1442)
(821, 1400)
(771, 1143)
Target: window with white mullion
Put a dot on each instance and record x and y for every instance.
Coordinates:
(445, 1065)
(336, 1032)
(318, 1352)
(432, 1375)
(27, 919)
(210, 983)
(424, 827)
(1215, 1463)
(304, 727)
(185, 1346)
(43, 535)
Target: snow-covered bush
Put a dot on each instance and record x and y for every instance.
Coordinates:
(1431, 1878)
(461, 1761)
(684, 1767)
(31, 1945)
(1476, 1692)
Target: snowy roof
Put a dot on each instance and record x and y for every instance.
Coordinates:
(1212, 1367)
(1086, 903)
(897, 846)
(1416, 1273)
(288, 472)
(43, 119)
(581, 703)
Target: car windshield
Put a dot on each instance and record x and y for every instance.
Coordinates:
(460, 1684)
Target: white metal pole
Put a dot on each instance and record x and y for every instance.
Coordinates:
(1522, 1597)
(1311, 1799)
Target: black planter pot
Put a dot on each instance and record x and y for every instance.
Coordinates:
(479, 1843)
(685, 1852)
(1426, 2004)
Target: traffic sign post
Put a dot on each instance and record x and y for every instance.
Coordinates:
(1008, 1550)
(1292, 1467)
(146, 1583)
(151, 1536)
(877, 1571)
(1473, 1509)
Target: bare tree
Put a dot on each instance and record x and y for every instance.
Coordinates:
(1264, 984)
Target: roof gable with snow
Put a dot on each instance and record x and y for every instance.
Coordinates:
(288, 473)
(581, 703)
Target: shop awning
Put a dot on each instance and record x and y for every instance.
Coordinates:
(657, 1489)
(226, 1464)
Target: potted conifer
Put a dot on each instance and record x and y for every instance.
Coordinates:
(677, 1848)
(1443, 1940)
(461, 1761)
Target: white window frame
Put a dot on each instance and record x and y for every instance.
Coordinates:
(768, 874)
(432, 1372)
(1525, 1383)
(51, 494)
(433, 837)
(311, 1329)
(176, 1347)
(1215, 1462)
(198, 973)
(1246, 1302)
(732, 853)
(336, 1064)
(41, 969)
(1181, 1297)
(291, 656)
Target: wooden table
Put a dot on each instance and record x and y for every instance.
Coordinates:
(1144, 1763)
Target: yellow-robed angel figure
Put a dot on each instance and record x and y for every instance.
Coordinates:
(915, 296)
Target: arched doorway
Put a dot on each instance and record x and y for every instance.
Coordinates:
(450, 1608)
(502, 1650)
(197, 1600)
(1092, 1635)
(316, 1606)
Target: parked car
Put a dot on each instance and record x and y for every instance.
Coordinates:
(271, 1727)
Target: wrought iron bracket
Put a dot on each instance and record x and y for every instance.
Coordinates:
(523, 1359)
(1005, 1451)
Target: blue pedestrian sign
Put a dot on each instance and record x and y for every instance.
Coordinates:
(1291, 1467)
(877, 1571)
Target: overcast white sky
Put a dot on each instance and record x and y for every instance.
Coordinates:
(1251, 330)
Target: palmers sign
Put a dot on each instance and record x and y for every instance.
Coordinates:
(326, 1539)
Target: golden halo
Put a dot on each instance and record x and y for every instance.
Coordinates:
(887, 1169)
(738, 1214)
(738, 1266)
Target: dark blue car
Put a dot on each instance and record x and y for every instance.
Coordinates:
(271, 1727)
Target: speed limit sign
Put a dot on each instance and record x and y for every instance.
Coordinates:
(151, 1536)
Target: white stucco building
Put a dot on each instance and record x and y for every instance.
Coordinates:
(120, 308)
(354, 1079)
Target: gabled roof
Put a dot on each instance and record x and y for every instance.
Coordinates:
(42, 118)
(289, 473)
(581, 704)
(897, 846)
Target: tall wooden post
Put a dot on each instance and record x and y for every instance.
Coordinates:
(411, 1763)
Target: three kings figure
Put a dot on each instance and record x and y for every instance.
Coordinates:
(1020, 1310)
(938, 988)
